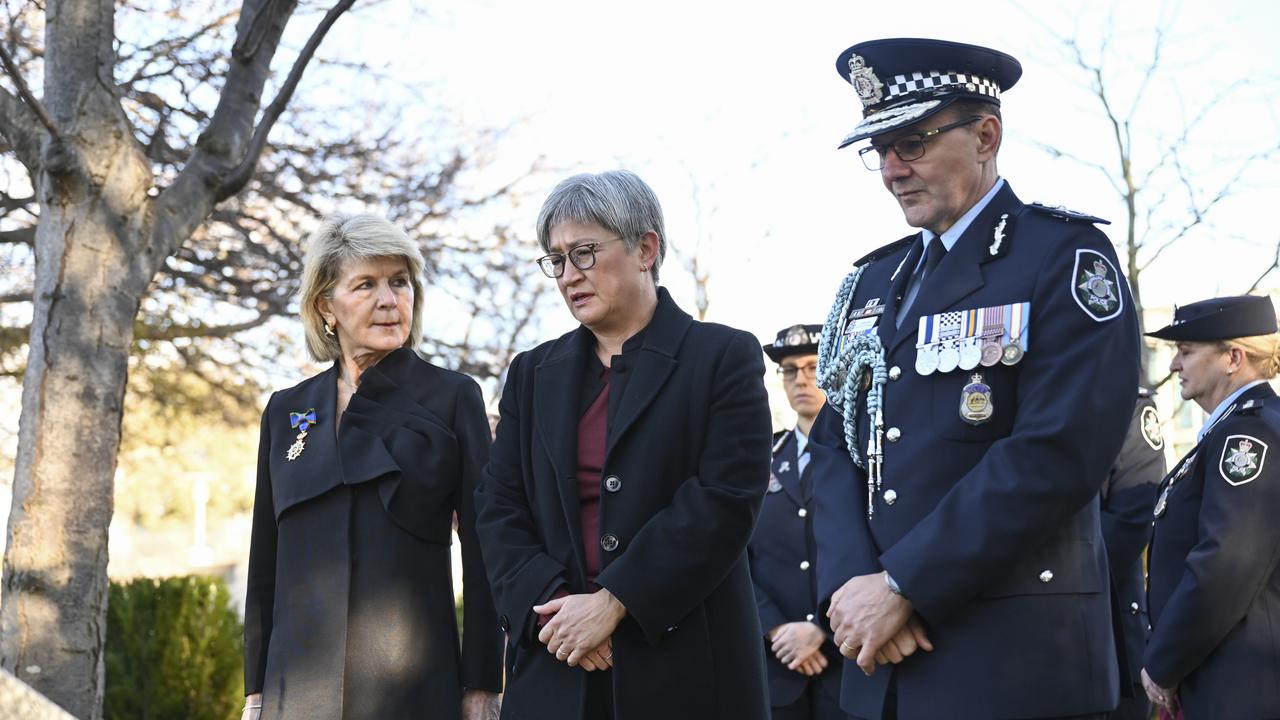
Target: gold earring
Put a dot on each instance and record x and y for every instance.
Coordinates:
(328, 330)
(644, 268)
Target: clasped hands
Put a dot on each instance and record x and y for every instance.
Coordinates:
(798, 645)
(1166, 698)
(872, 625)
(580, 631)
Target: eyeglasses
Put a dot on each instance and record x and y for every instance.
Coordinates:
(789, 373)
(908, 147)
(583, 257)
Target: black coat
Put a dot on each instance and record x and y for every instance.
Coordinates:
(349, 612)
(1127, 499)
(1214, 579)
(991, 529)
(783, 567)
(689, 447)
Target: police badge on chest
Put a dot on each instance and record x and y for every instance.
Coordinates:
(976, 406)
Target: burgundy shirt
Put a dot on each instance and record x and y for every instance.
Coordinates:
(593, 432)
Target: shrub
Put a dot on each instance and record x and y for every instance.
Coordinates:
(174, 650)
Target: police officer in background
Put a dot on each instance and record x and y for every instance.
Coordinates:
(980, 375)
(1215, 554)
(1127, 498)
(802, 662)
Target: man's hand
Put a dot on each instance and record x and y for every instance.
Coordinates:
(909, 639)
(796, 642)
(865, 615)
(1166, 698)
(580, 624)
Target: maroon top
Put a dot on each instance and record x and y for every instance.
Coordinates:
(593, 430)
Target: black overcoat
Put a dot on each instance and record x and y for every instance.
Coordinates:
(991, 529)
(349, 611)
(1214, 580)
(688, 449)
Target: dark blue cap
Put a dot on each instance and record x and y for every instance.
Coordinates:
(905, 80)
(1221, 318)
(795, 340)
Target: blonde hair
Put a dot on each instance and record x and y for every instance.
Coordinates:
(1261, 351)
(349, 237)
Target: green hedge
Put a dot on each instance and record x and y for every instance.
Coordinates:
(174, 650)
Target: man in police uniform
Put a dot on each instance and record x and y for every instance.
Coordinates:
(802, 661)
(1128, 496)
(980, 375)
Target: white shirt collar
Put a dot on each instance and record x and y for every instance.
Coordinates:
(802, 441)
(1219, 411)
(954, 232)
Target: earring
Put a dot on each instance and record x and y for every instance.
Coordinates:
(328, 330)
(644, 268)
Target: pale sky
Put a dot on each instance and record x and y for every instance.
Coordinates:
(740, 102)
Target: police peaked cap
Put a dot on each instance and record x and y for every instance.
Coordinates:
(1220, 319)
(795, 340)
(901, 81)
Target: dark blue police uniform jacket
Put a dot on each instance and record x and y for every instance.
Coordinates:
(994, 532)
(689, 450)
(1127, 498)
(1215, 569)
(783, 559)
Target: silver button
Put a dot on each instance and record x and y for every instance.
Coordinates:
(1133, 608)
(802, 512)
(809, 617)
(892, 434)
(804, 564)
(1046, 576)
(613, 483)
(609, 542)
(895, 372)
(890, 497)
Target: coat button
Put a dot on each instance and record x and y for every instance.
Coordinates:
(608, 542)
(890, 497)
(895, 372)
(802, 512)
(804, 564)
(892, 434)
(1046, 576)
(1133, 608)
(613, 483)
(809, 617)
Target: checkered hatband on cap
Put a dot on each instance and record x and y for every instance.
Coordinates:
(922, 83)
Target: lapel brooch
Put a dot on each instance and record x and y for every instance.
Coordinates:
(301, 421)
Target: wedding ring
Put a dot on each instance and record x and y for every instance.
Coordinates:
(561, 653)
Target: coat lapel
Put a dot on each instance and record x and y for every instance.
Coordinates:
(318, 467)
(888, 329)
(557, 385)
(789, 477)
(959, 274)
(652, 366)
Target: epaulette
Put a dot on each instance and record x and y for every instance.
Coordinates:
(1069, 215)
(885, 250)
(1145, 392)
(1250, 407)
(779, 439)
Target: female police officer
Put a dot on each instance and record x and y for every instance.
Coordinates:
(1214, 586)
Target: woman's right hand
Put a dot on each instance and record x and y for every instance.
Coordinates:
(252, 707)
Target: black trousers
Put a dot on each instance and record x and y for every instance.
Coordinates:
(599, 705)
(891, 707)
(1137, 707)
(813, 704)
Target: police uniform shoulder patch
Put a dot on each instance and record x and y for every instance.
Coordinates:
(1069, 215)
(882, 251)
(1095, 285)
(1151, 429)
(1242, 459)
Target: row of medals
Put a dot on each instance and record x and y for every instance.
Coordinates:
(967, 354)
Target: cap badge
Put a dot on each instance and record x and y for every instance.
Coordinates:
(1240, 462)
(864, 81)
(796, 335)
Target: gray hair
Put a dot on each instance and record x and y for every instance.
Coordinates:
(618, 201)
(349, 237)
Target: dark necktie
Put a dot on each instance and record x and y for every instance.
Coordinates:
(933, 255)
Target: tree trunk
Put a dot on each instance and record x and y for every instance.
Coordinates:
(93, 208)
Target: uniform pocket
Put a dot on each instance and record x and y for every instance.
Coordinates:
(949, 391)
(1059, 567)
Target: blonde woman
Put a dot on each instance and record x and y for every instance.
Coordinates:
(361, 469)
(1214, 578)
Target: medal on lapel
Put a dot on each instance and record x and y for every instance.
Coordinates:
(975, 401)
(1163, 503)
(301, 421)
(774, 485)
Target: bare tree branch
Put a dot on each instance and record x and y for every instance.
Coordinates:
(1275, 263)
(196, 329)
(25, 93)
(20, 127)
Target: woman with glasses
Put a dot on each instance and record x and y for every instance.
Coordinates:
(803, 663)
(629, 465)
